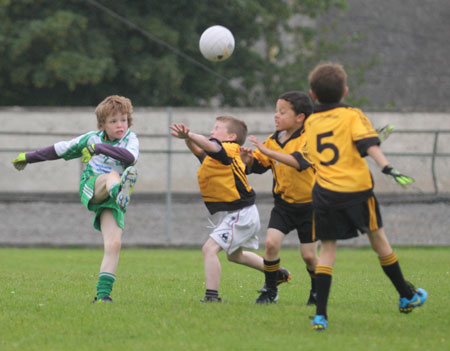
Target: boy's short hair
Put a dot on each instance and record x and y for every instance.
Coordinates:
(328, 82)
(111, 105)
(300, 102)
(235, 126)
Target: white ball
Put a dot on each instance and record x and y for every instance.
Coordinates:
(216, 43)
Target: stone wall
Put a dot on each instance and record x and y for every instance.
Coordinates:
(40, 206)
(28, 129)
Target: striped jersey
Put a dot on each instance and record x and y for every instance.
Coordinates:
(222, 180)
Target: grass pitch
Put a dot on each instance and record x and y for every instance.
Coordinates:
(45, 303)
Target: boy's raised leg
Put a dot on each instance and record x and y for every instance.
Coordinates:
(127, 181)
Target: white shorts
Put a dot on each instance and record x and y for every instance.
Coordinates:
(238, 229)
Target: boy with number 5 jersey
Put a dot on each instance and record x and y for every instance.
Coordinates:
(108, 179)
(338, 136)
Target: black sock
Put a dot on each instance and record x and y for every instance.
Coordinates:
(323, 285)
(392, 269)
(211, 293)
(270, 272)
(312, 275)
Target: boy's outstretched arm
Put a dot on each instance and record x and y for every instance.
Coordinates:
(381, 160)
(183, 132)
(45, 154)
(20, 162)
(179, 131)
(287, 159)
(197, 151)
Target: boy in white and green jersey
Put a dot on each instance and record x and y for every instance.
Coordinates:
(108, 179)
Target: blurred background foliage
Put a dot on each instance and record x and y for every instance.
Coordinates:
(76, 52)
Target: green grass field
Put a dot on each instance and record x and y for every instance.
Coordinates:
(45, 304)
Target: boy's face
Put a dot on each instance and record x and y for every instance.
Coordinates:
(115, 126)
(220, 132)
(285, 117)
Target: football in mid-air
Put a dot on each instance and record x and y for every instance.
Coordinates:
(216, 43)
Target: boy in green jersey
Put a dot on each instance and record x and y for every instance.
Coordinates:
(108, 179)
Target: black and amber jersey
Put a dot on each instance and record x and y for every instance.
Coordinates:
(290, 186)
(222, 180)
(337, 138)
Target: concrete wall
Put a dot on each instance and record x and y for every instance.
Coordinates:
(154, 167)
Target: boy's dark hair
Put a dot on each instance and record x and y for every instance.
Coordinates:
(328, 82)
(111, 105)
(235, 126)
(300, 102)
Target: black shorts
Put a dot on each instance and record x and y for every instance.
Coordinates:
(346, 223)
(285, 221)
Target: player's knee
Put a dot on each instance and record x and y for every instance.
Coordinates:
(207, 249)
(271, 246)
(114, 245)
(234, 257)
(309, 258)
(115, 176)
(231, 258)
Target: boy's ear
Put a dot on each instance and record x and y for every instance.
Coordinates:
(345, 92)
(313, 95)
(301, 117)
(232, 136)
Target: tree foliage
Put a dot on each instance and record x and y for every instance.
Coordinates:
(76, 52)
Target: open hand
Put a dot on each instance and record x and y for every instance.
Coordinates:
(179, 131)
(256, 143)
(246, 155)
(401, 179)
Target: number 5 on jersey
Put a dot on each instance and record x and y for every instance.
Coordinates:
(321, 146)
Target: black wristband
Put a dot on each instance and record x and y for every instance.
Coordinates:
(91, 149)
(387, 169)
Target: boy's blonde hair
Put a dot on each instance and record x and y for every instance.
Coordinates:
(111, 105)
(235, 126)
(328, 82)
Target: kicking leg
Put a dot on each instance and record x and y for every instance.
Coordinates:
(125, 187)
(105, 185)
